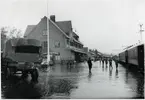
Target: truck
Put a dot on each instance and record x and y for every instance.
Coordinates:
(21, 55)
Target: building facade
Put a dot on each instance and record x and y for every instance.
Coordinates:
(64, 44)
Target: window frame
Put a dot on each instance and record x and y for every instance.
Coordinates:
(57, 44)
(44, 32)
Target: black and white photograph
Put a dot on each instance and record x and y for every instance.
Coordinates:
(72, 49)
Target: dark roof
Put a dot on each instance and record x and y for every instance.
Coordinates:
(66, 26)
(63, 26)
(29, 29)
(51, 22)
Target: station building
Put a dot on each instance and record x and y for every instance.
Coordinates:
(64, 43)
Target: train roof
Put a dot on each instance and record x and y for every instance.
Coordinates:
(23, 41)
(132, 46)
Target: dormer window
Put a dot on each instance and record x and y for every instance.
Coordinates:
(76, 37)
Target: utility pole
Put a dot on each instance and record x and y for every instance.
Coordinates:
(141, 30)
(48, 52)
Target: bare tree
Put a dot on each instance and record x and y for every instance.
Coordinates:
(3, 31)
(10, 32)
(15, 33)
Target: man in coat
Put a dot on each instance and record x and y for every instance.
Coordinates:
(90, 64)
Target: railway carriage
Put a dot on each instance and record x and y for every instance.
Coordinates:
(122, 57)
(134, 56)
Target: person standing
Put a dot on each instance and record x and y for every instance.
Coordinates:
(110, 62)
(90, 64)
(106, 60)
(116, 63)
(102, 61)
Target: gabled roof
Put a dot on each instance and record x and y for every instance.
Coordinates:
(59, 28)
(66, 26)
(63, 26)
(29, 29)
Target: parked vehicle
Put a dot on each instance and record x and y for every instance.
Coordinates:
(21, 55)
(45, 63)
(134, 56)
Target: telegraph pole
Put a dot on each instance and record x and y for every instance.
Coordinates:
(141, 30)
(48, 52)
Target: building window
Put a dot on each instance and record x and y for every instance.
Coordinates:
(81, 46)
(44, 32)
(57, 44)
(71, 43)
(76, 45)
(76, 38)
(67, 41)
(45, 43)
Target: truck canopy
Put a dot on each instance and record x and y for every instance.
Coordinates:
(20, 49)
(23, 41)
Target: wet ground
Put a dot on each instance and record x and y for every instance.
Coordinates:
(76, 82)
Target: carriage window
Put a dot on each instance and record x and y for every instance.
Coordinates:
(27, 49)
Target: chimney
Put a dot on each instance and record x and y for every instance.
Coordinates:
(44, 17)
(52, 17)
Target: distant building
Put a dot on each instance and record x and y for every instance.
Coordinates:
(64, 43)
(93, 54)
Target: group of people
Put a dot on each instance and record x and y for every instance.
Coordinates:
(103, 60)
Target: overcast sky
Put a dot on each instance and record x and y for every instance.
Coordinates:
(20, 13)
(107, 25)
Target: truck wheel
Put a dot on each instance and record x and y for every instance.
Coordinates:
(7, 73)
(34, 75)
(24, 74)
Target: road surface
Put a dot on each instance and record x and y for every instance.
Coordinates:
(76, 82)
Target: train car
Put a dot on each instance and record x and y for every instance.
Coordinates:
(144, 55)
(21, 55)
(141, 56)
(133, 56)
(136, 56)
(122, 57)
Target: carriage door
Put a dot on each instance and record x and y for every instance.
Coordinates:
(126, 56)
(141, 56)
